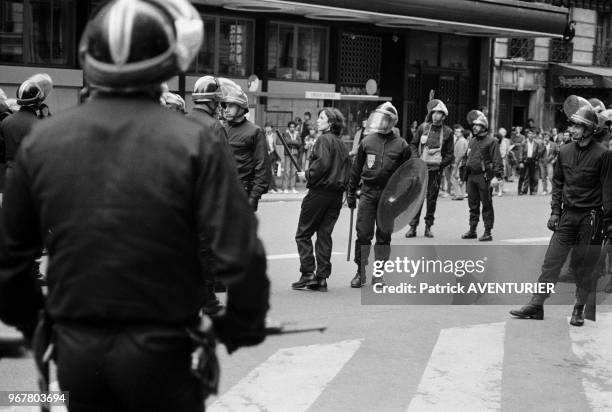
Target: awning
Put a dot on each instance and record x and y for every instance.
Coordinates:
(484, 18)
(572, 76)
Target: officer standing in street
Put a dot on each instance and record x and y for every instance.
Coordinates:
(206, 97)
(125, 194)
(581, 210)
(433, 143)
(379, 154)
(247, 140)
(483, 163)
(327, 178)
(14, 128)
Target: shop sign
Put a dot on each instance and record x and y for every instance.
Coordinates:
(576, 81)
(323, 95)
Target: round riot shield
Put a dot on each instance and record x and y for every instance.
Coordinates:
(403, 196)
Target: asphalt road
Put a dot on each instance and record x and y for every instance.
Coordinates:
(409, 357)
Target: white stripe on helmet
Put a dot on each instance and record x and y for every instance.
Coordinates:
(121, 23)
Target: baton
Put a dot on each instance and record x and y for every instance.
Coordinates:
(350, 242)
(282, 139)
(286, 328)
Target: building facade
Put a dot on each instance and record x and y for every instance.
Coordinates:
(295, 57)
(533, 76)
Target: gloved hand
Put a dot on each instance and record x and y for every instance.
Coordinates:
(235, 334)
(608, 231)
(553, 222)
(351, 201)
(254, 202)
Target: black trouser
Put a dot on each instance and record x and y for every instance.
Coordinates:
(320, 211)
(528, 180)
(479, 190)
(574, 232)
(433, 188)
(366, 218)
(127, 369)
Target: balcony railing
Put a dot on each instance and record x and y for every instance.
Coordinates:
(561, 51)
(521, 48)
(602, 56)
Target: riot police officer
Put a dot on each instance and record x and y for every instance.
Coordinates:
(483, 163)
(582, 181)
(379, 154)
(14, 128)
(124, 194)
(433, 142)
(247, 140)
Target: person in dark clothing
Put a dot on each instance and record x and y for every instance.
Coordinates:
(206, 96)
(529, 164)
(434, 144)
(327, 178)
(483, 163)
(247, 141)
(602, 134)
(379, 155)
(4, 113)
(581, 211)
(15, 127)
(142, 216)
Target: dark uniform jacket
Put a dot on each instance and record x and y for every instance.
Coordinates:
(121, 191)
(603, 137)
(484, 156)
(433, 142)
(14, 128)
(210, 124)
(582, 178)
(329, 164)
(378, 157)
(248, 143)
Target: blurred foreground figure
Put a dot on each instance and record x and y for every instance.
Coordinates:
(125, 195)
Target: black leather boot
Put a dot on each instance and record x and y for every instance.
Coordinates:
(359, 280)
(428, 232)
(529, 311)
(303, 281)
(486, 236)
(411, 232)
(318, 284)
(470, 234)
(577, 316)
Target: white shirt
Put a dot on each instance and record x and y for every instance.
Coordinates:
(530, 148)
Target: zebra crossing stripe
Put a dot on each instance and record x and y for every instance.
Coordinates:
(464, 372)
(592, 344)
(273, 385)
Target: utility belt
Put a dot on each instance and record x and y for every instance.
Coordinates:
(373, 186)
(595, 220)
(204, 363)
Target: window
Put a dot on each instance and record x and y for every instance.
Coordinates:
(226, 48)
(296, 52)
(521, 48)
(561, 51)
(37, 32)
(455, 51)
(424, 48)
(602, 53)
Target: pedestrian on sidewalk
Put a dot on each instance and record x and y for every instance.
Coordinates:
(379, 155)
(326, 180)
(460, 148)
(294, 143)
(581, 211)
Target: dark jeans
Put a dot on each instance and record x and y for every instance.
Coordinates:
(320, 211)
(528, 180)
(433, 189)
(116, 368)
(479, 191)
(366, 218)
(575, 232)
